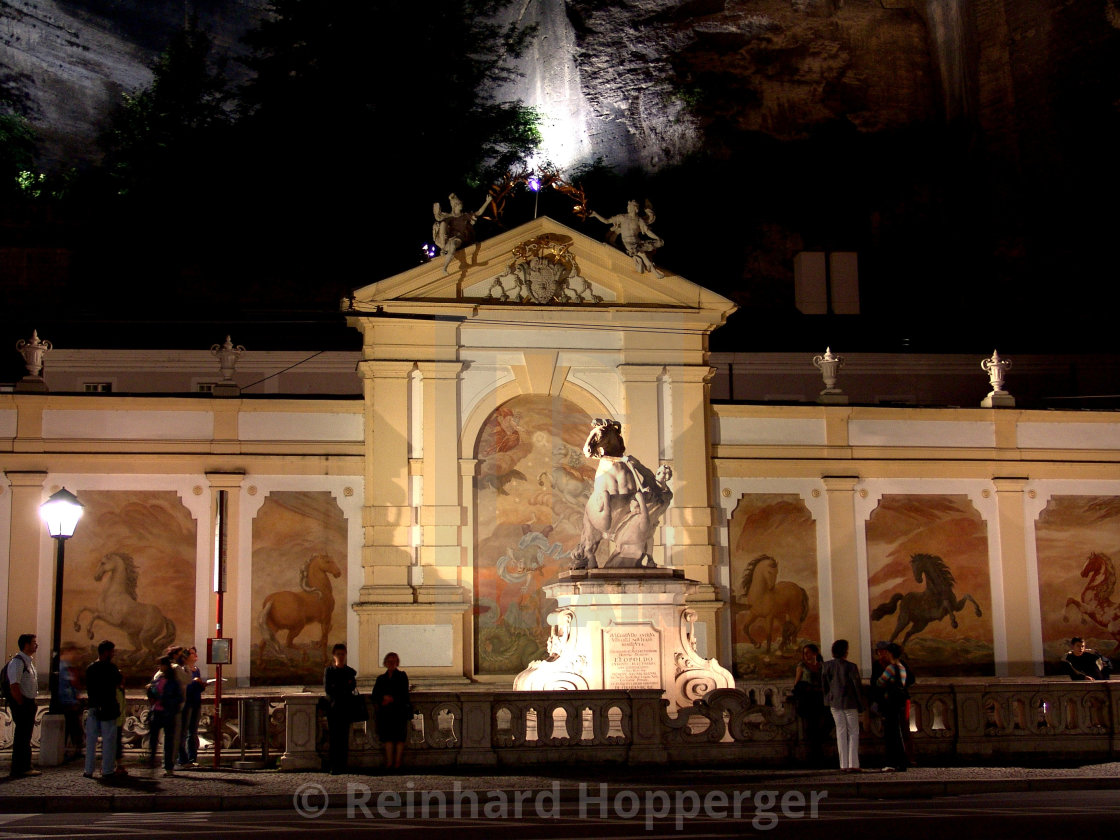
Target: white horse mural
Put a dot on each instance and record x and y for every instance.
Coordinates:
(145, 624)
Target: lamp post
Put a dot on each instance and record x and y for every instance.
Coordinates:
(60, 513)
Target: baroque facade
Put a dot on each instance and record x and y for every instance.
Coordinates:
(424, 515)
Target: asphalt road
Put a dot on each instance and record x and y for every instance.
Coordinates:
(641, 814)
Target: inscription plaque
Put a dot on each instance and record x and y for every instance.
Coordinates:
(631, 656)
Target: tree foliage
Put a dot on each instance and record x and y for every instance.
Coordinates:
(163, 142)
(360, 113)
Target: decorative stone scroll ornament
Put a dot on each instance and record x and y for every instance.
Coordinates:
(33, 352)
(565, 666)
(997, 368)
(543, 270)
(696, 676)
(625, 505)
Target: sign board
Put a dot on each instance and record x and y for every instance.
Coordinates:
(219, 651)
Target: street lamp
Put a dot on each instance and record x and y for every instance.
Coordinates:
(60, 513)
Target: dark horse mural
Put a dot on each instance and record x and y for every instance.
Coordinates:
(937, 601)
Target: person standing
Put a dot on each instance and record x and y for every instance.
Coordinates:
(24, 680)
(393, 707)
(192, 709)
(808, 696)
(844, 696)
(68, 696)
(103, 679)
(893, 694)
(339, 683)
(166, 695)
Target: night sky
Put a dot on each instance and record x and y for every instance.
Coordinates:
(962, 247)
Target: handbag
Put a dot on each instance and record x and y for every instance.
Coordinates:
(359, 711)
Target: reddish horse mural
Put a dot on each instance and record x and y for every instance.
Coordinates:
(1096, 602)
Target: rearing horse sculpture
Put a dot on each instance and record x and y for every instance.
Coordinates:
(145, 624)
(937, 600)
(625, 505)
(292, 611)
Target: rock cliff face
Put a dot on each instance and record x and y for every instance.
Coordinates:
(66, 63)
(636, 83)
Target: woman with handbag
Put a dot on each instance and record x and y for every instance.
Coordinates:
(340, 682)
(393, 706)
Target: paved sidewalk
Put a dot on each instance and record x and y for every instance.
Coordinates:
(65, 789)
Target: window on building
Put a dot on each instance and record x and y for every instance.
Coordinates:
(98, 387)
(205, 387)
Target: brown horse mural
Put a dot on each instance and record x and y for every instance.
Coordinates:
(293, 611)
(917, 610)
(770, 600)
(1096, 604)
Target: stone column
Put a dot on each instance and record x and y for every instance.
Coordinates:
(1017, 615)
(847, 588)
(24, 554)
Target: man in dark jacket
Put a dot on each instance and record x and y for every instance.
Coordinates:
(102, 680)
(1084, 663)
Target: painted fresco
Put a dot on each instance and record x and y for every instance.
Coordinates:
(774, 599)
(130, 578)
(532, 486)
(1078, 544)
(299, 603)
(928, 583)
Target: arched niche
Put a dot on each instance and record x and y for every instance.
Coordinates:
(929, 582)
(299, 569)
(530, 488)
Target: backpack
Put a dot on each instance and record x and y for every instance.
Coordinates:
(166, 691)
(5, 683)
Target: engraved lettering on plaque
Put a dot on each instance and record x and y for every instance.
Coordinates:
(631, 656)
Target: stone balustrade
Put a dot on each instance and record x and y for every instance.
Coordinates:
(967, 720)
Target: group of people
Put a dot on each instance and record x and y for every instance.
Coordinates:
(392, 707)
(836, 688)
(175, 692)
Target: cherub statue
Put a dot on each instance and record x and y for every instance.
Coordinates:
(637, 238)
(454, 230)
(626, 502)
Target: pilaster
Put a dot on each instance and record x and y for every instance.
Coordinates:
(387, 515)
(1013, 564)
(847, 589)
(27, 532)
(238, 569)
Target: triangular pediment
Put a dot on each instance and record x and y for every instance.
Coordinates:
(499, 271)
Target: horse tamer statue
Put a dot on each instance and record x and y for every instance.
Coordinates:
(626, 502)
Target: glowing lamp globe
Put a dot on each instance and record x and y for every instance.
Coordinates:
(61, 513)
